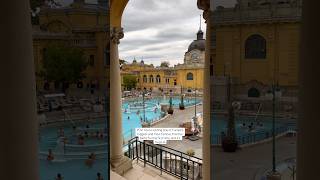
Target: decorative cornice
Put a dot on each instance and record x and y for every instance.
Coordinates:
(116, 34)
(205, 6)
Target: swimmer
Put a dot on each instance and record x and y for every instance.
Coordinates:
(80, 140)
(50, 156)
(128, 118)
(99, 177)
(92, 156)
(61, 132)
(89, 162)
(59, 177)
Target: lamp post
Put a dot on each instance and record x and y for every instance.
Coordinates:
(273, 130)
(195, 102)
(273, 175)
(143, 104)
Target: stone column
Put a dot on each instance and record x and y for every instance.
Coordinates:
(18, 132)
(206, 104)
(119, 163)
(309, 94)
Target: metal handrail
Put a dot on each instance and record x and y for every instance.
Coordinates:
(166, 159)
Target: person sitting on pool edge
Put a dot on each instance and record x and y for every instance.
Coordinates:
(50, 156)
(59, 177)
(99, 177)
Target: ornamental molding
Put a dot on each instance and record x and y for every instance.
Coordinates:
(116, 34)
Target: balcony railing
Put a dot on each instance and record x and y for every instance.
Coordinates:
(255, 137)
(176, 163)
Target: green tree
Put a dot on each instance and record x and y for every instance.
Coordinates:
(63, 64)
(165, 64)
(129, 81)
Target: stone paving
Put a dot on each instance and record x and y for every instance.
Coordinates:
(139, 172)
(245, 164)
(249, 162)
(178, 117)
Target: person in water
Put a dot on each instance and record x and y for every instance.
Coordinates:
(99, 177)
(91, 158)
(59, 177)
(50, 156)
(80, 140)
(128, 118)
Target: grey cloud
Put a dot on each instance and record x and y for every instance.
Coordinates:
(159, 30)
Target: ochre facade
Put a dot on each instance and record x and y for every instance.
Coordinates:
(256, 44)
(186, 77)
(81, 25)
(282, 53)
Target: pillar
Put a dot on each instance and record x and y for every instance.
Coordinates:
(119, 163)
(18, 131)
(308, 150)
(206, 104)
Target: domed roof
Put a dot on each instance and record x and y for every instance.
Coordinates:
(199, 43)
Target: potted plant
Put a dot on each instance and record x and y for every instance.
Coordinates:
(190, 152)
(229, 141)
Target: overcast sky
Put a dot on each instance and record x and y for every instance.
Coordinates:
(158, 30)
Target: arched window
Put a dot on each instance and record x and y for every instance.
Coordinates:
(158, 79)
(151, 79)
(145, 79)
(189, 76)
(253, 92)
(255, 47)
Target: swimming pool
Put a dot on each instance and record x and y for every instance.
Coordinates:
(73, 169)
(261, 128)
(70, 158)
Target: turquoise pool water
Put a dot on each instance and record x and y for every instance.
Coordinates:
(261, 128)
(70, 159)
(73, 170)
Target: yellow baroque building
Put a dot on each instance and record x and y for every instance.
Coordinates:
(187, 76)
(81, 25)
(256, 44)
